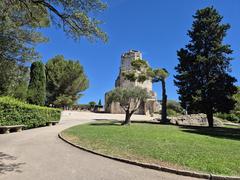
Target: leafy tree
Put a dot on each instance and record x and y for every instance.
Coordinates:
(129, 99)
(203, 82)
(63, 100)
(161, 75)
(237, 105)
(175, 106)
(64, 77)
(141, 71)
(17, 38)
(92, 104)
(20, 20)
(37, 84)
(75, 17)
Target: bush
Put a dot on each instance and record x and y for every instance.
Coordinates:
(229, 117)
(174, 108)
(15, 112)
(171, 112)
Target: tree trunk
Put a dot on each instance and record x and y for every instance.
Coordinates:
(164, 102)
(127, 118)
(210, 118)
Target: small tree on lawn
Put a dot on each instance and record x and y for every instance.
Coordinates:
(129, 99)
(141, 71)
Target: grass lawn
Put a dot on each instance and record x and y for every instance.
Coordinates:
(202, 149)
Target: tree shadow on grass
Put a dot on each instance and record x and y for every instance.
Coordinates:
(145, 122)
(9, 165)
(219, 132)
(106, 123)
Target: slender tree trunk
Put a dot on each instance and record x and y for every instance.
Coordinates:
(210, 118)
(127, 118)
(164, 102)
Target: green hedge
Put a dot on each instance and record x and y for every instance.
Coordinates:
(15, 112)
(229, 117)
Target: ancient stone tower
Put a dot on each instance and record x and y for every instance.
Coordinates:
(151, 105)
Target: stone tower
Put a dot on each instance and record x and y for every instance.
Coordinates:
(151, 105)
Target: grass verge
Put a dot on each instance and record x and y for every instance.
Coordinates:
(210, 150)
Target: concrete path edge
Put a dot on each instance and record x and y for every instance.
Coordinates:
(154, 166)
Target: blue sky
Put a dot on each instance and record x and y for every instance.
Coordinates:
(158, 28)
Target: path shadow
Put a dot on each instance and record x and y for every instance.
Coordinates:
(7, 164)
(219, 132)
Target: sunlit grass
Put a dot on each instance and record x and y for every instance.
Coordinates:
(215, 150)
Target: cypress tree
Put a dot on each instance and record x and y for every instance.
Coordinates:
(37, 84)
(203, 79)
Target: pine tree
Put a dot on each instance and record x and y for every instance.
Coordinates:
(99, 102)
(37, 84)
(203, 79)
(65, 78)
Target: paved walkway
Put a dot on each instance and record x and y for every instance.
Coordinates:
(38, 154)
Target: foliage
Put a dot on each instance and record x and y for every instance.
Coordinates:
(230, 117)
(99, 102)
(237, 99)
(63, 100)
(161, 75)
(15, 112)
(174, 108)
(19, 22)
(203, 149)
(75, 17)
(17, 38)
(92, 104)
(203, 82)
(129, 99)
(141, 72)
(171, 112)
(64, 78)
(18, 31)
(37, 84)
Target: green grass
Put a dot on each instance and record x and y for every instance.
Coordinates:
(202, 149)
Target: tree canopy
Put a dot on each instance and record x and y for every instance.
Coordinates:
(203, 79)
(129, 99)
(75, 17)
(65, 78)
(141, 72)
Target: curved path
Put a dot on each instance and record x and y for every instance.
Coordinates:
(40, 155)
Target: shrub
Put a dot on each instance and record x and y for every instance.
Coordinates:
(174, 108)
(171, 112)
(230, 117)
(15, 112)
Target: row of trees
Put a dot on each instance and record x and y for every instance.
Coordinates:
(19, 22)
(59, 83)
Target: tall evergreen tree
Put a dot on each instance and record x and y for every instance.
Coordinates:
(203, 82)
(37, 84)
